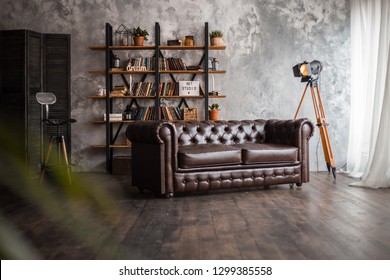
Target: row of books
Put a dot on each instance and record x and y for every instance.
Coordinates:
(147, 89)
(143, 89)
(172, 64)
(151, 113)
(146, 113)
(149, 63)
(171, 113)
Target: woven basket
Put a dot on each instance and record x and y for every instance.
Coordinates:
(190, 114)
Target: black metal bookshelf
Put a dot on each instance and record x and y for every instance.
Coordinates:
(109, 48)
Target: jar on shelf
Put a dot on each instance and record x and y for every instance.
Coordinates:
(127, 113)
(117, 61)
(189, 41)
(215, 63)
(210, 63)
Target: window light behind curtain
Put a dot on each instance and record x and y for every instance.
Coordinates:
(369, 139)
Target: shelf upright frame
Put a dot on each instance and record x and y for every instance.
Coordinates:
(157, 69)
(206, 70)
(108, 148)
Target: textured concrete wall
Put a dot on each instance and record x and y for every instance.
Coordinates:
(264, 40)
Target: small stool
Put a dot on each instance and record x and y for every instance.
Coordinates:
(61, 148)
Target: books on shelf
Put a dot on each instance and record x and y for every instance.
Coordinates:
(171, 113)
(172, 63)
(113, 117)
(169, 89)
(151, 113)
(140, 64)
(148, 63)
(142, 89)
(146, 113)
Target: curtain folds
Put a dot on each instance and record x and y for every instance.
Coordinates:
(369, 144)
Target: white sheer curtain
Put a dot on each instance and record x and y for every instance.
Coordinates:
(369, 138)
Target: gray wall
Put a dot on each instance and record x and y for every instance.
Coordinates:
(264, 40)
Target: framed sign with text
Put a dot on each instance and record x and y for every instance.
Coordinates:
(188, 88)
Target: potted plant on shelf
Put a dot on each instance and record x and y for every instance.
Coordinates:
(139, 36)
(216, 38)
(213, 112)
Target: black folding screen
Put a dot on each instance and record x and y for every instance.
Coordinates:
(31, 62)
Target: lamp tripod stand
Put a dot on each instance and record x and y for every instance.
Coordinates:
(321, 123)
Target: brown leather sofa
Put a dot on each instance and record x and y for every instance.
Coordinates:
(176, 157)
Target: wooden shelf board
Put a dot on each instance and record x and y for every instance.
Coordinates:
(121, 96)
(181, 71)
(191, 72)
(146, 47)
(217, 71)
(146, 97)
(112, 121)
(199, 47)
(176, 96)
(97, 72)
(161, 72)
(150, 47)
(131, 72)
(217, 96)
(112, 146)
(215, 48)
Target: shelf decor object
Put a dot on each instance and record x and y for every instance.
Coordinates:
(214, 111)
(216, 38)
(122, 36)
(188, 88)
(139, 36)
(190, 114)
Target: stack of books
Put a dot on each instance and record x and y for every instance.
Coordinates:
(113, 117)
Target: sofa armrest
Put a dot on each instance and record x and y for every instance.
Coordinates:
(154, 149)
(150, 132)
(295, 133)
(288, 132)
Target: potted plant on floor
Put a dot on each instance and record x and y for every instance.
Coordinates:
(214, 111)
(216, 38)
(139, 36)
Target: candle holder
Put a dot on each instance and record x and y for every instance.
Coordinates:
(130, 89)
(122, 36)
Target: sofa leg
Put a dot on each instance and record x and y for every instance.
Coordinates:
(266, 187)
(169, 195)
(299, 185)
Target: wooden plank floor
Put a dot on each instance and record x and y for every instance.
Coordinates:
(325, 219)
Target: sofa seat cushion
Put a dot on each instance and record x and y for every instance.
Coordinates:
(267, 153)
(208, 155)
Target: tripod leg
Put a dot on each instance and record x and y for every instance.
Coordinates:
(300, 103)
(322, 125)
(65, 157)
(328, 166)
(46, 160)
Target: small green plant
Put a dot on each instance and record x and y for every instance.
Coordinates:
(216, 33)
(138, 32)
(214, 106)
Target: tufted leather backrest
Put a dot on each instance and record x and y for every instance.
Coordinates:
(220, 132)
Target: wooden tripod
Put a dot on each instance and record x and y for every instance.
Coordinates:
(61, 148)
(321, 123)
